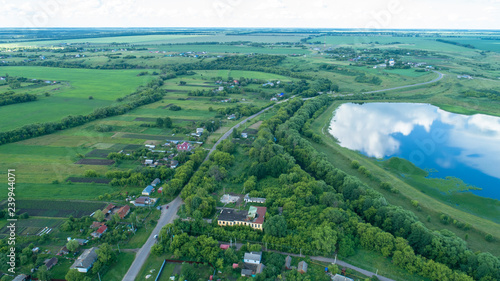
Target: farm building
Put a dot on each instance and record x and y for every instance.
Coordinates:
(98, 233)
(49, 263)
(123, 211)
(155, 182)
(142, 201)
(185, 146)
(148, 190)
(302, 267)
(254, 217)
(85, 260)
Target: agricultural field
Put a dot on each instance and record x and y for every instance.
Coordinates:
(71, 96)
(79, 169)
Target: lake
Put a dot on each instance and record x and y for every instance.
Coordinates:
(444, 143)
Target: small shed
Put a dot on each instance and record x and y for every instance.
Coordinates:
(288, 262)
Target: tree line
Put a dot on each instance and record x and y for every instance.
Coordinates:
(146, 96)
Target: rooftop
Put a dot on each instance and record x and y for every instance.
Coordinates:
(86, 259)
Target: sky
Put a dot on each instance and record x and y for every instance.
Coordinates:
(369, 14)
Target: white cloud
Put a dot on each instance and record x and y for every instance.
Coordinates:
(269, 13)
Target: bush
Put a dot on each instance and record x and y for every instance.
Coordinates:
(175, 108)
(355, 164)
(489, 237)
(103, 128)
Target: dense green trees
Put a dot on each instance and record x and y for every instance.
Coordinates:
(10, 97)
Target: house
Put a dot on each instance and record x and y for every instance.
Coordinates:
(142, 201)
(339, 277)
(185, 146)
(85, 260)
(160, 190)
(249, 199)
(252, 257)
(274, 99)
(20, 277)
(231, 117)
(108, 209)
(224, 246)
(96, 224)
(235, 265)
(244, 135)
(123, 211)
(49, 263)
(302, 267)
(98, 233)
(199, 131)
(174, 164)
(148, 190)
(155, 182)
(254, 217)
(150, 146)
(148, 162)
(35, 250)
(288, 262)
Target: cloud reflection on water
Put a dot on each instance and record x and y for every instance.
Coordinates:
(375, 129)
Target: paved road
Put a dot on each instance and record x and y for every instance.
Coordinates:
(228, 133)
(441, 75)
(167, 216)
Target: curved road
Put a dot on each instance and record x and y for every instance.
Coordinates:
(168, 215)
(441, 75)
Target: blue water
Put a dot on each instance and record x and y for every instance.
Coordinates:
(447, 144)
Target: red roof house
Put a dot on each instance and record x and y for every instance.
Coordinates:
(185, 146)
(123, 211)
(98, 233)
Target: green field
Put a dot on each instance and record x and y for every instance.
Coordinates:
(105, 86)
